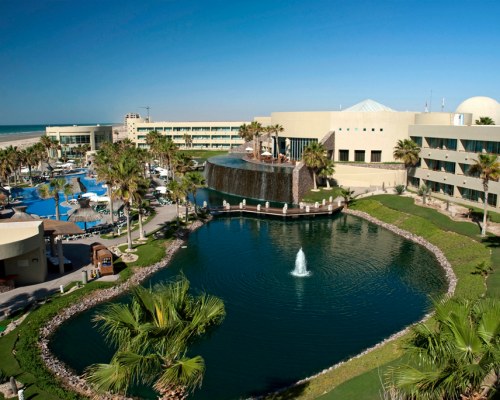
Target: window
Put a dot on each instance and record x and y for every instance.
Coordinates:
(417, 140)
(340, 129)
(373, 129)
(359, 155)
(376, 156)
(343, 155)
(381, 129)
(364, 129)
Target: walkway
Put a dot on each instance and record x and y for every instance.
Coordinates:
(78, 252)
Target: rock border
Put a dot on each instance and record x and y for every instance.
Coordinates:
(442, 260)
(67, 377)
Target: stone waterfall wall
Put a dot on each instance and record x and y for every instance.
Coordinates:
(273, 185)
(302, 182)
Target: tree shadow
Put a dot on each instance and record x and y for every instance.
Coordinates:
(273, 386)
(491, 241)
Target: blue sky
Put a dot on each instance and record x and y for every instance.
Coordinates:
(94, 61)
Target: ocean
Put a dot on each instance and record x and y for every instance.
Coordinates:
(33, 129)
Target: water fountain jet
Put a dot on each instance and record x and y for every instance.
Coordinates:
(300, 265)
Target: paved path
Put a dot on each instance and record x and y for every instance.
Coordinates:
(78, 252)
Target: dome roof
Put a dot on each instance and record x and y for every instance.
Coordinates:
(481, 106)
(368, 105)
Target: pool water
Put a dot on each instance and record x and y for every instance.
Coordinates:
(366, 283)
(46, 208)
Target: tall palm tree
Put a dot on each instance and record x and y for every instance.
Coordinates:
(32, 158)
(314, 157)
(5, 167)
(485, 121)
(52, 190)
(488, 167)
(13, 160)
(188, 140)
(193, 181)
(178, 193)
(451, 358)
(49, 144)
(152, 335)
(407, 151)
(128, 184)
(250, 132)
(327, 171)
(276, 130)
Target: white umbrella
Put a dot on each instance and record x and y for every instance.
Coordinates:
(266, 153)
(161, 189)
(248, 149)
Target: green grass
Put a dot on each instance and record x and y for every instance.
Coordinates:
(149, 252)
(26, 364)
(202, 155)
(312, 197)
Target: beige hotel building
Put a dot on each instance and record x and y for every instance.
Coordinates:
(361, 139)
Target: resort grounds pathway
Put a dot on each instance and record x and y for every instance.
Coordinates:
(77, 251)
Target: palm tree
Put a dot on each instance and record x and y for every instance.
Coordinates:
(452, 357)
(32, 158)
(327, 171)
(152, 335)
(407, 151)
(49, 144)
(13, 160)
(52, 190)
(276, 130)
(489, 169)
(5, 168)
(348, 195)
(194, 180)
(178, 193)
(128, 184)
(252, 131)
(485, 121)
(314, 157)
(188, 140)
(102, 166)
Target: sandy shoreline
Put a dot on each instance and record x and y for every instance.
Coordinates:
(21, 140)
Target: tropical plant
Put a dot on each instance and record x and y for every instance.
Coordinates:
(128, 183)
(52, 190)
(178, 193)
(276, 130)
(314, 157)
(488, 167)
(399, 189)
(250, 132)
(407, 151)
(5, 167)
(152, 335)
(49, 144)
(188, 140)
(194, 180)
(451, 357)
(482, 269)
(485, 121)
(424, 191)
(348, 195)
(326, 172)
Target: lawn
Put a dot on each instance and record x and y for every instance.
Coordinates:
(312, 197)
(202, 155)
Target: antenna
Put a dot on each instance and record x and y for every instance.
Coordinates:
(147, 108)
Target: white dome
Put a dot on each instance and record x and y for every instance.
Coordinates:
(481, 106)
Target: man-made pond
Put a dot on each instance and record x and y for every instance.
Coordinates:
(365, 284)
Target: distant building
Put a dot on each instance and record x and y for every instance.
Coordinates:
(222, 135)
(70, 137)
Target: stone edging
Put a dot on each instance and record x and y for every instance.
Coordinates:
(445, 264)
(69, 379)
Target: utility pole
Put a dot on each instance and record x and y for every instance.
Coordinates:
(147, 108)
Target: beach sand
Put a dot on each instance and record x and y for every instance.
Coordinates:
(21, 141)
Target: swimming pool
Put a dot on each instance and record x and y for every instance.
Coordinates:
(46, 208)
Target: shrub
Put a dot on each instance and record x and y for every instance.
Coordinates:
(399, 189)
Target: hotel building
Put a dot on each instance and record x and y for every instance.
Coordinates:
(70, 137)
(361, 139)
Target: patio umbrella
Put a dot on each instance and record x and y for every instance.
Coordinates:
(85, 213)
(266, 154)
(249, 149)
(20, 214)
